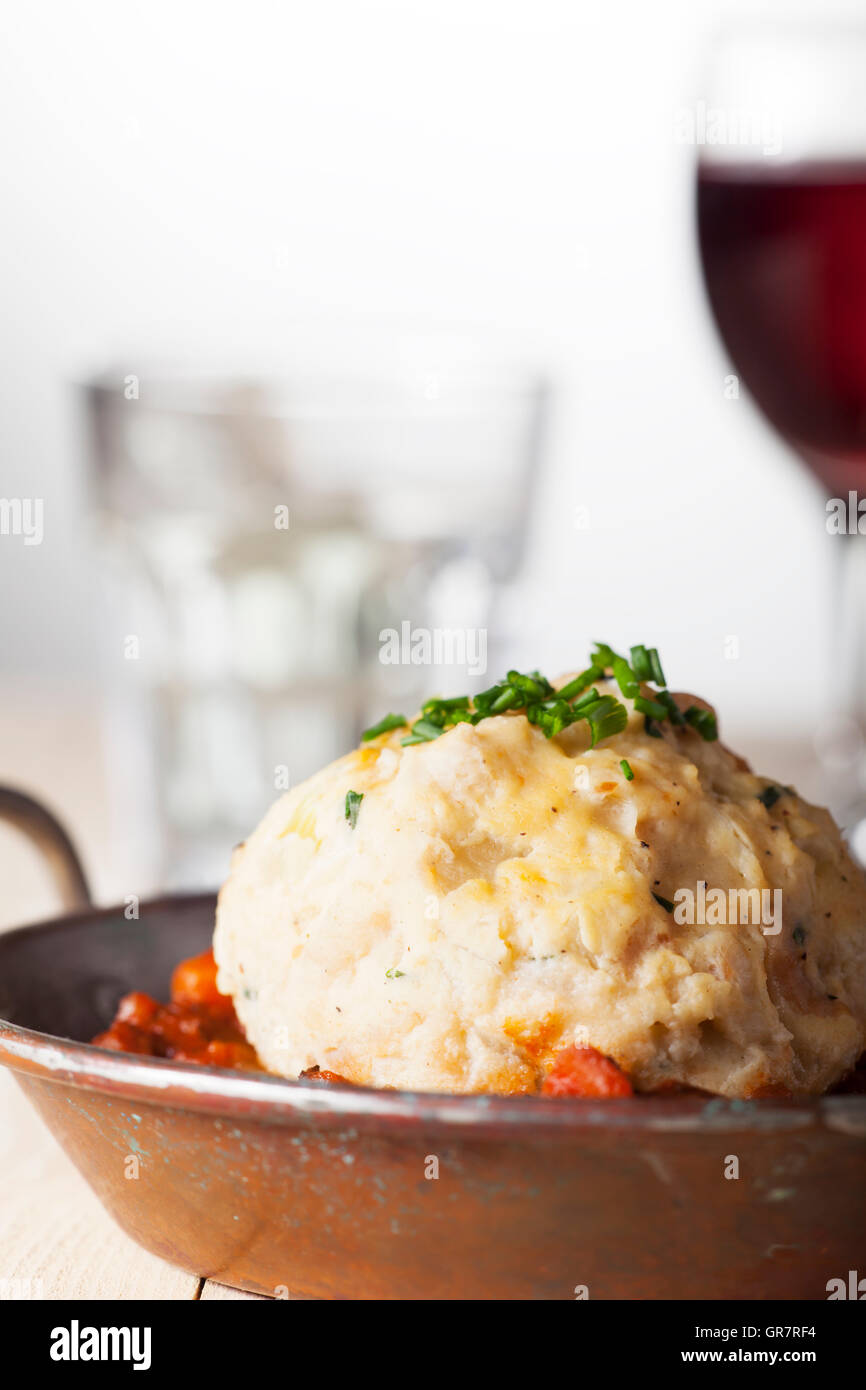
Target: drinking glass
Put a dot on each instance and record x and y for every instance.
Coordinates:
(261, 537)
(781, 218)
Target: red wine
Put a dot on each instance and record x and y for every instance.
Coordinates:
(784, 257)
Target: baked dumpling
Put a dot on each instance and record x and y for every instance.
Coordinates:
(491, 897)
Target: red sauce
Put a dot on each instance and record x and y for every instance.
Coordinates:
(199, 1025)
(584, 1071)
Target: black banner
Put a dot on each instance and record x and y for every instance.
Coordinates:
(245, 1339)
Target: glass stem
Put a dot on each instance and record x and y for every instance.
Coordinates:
(850, 630)
(840, 739)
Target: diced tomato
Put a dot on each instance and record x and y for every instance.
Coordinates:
(221, 1053)
(584, 1071)
(125, 1037)
(137, 1009)
(195, 982)
(199, 1025)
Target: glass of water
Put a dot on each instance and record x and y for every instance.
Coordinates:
(286, 558)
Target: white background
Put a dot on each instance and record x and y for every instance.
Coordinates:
(176, 175)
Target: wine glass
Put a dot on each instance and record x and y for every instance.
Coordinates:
(781, 217)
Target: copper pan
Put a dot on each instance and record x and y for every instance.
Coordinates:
(307, 1190)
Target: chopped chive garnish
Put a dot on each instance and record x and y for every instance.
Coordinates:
(626, 769)
(423, 731)
(574, 687)
(462, 716)
(606, 718)
(552, 716)
(390, 721)
(506, 699)
(603, 655)
(552, 711)
(640, 663)
(394, 974)
(675, 715)
(769, 796)
(658, 674)
(625, 678)
(588, 698)
(653, 708)
(704, 721)
(353, 806)
(484, 700)
(664, 902)
(437, 704)
(535, 686)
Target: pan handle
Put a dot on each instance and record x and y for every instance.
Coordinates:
(53, 843)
